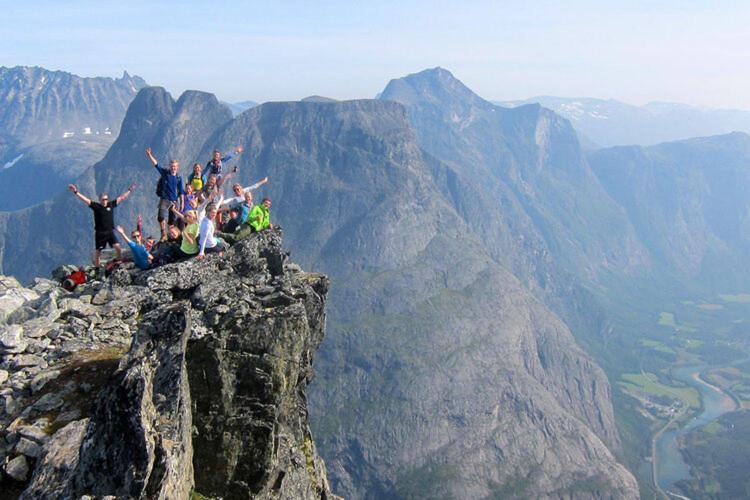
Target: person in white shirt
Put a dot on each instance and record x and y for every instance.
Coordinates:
(209, 243)
(239, 193)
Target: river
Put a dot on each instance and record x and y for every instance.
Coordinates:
(669, 464)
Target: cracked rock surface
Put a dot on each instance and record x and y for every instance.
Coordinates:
(186, 379)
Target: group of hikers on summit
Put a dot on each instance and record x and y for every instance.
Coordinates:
(194, 216)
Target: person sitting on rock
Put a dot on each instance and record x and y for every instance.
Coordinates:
(189, 243)
(208, 242)
(141, 257)
(259, 217)
(245, 229)
(103, 220)
(215, 164)
(166, 252)
(170, 191)
(235, 219)
(137, 236)
(239, 192)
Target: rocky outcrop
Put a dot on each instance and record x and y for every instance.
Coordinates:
(187, 378)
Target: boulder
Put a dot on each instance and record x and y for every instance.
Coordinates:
(52, 474)
(18, 468)
(12, 340)
(13, 296)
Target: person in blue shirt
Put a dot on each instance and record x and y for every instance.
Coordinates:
(170, 190)
(141, 257)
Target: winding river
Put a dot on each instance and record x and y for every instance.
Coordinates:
(669, 465)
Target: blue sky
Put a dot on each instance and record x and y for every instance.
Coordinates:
(687, 51)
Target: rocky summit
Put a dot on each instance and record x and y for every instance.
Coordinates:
(186, 381)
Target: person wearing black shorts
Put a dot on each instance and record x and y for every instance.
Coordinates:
(104, 225)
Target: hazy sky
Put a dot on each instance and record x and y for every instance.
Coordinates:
(686, 51)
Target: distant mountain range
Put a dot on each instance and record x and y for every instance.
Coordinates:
(53, 125)
(604, 123)
(466, 243)
(238, 107)
(442, 373)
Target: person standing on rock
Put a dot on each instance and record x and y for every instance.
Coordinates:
(197, 179)
(215, 164)
(103, 220)
(169, 190)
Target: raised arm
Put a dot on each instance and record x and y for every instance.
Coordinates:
(210, 196)
(176, 212)
(122, 233)
(124, 196)
(224, 178)
(186, 234)
(74, 190)
(238, 150)
(150, 156)
(256, 185)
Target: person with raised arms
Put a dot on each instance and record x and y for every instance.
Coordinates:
(103, 220)
(239, 192)
(141, 257)
(216, 163)
(169, 190)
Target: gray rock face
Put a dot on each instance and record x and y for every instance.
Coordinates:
(210, 396)
(689, 201)
(138, 441)
(60, 459)
(442, 375)
(54, 125)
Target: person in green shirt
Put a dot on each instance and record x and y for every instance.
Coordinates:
(259, 216)
(189, 244)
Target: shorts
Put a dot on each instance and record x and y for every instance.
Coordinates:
(104, 239)
(165, 212)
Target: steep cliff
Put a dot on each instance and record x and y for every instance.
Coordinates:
(187, 378)
(442, 374)
(689, 203)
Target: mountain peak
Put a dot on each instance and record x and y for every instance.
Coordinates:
(435, 86)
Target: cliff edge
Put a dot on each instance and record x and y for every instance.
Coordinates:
(187, 380)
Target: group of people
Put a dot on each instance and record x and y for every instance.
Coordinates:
(194, 216)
